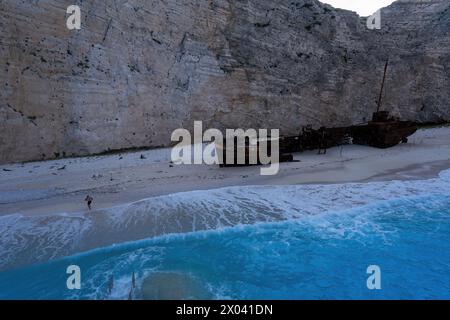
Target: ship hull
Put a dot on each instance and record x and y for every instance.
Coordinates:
(383, 134)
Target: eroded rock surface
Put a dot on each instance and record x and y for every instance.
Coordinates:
(138, 69)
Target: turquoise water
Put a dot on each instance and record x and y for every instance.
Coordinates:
(316, 257)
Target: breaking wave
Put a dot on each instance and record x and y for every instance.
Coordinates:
(26, 240)
(321, 256)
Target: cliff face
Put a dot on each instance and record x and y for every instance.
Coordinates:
(137, 70)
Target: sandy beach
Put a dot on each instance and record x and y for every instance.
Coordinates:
(60, 186)
(110, 189)
(141, 199)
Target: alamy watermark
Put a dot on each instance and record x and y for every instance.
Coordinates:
(73, 22)
(374, 280)
(74, 280)
(235, 147)
(374, 21)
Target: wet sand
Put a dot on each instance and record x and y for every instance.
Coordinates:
(60, 186)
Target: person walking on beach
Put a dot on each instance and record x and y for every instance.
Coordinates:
(89, 200)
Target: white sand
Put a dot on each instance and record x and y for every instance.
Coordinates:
(61, 185)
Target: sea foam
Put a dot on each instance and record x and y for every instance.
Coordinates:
(26, 240)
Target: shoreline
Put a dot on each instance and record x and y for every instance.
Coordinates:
(60, 186)
(33, 239)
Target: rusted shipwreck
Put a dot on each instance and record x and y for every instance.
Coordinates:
(250, 151)
(383, 131)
